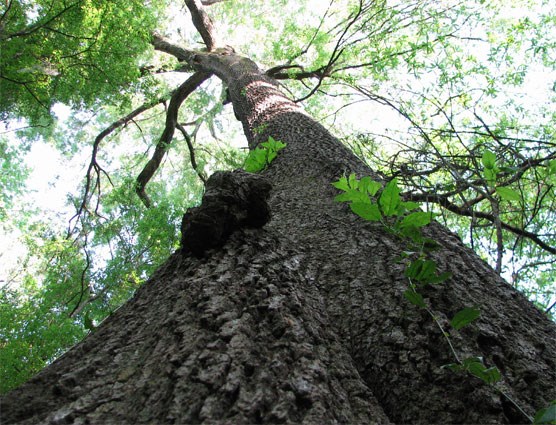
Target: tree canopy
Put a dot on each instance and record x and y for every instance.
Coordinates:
(454, 99)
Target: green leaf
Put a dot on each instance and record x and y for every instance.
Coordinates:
(389, 200)
(421, 270)
(353, 182)
(260, 157)
(508, 194)
(353, 196)
(414, 298)
(273, 144)
(454, 367)
(341, 184)
(475, 366)
(552, 166)
(490, 175)
(367, 211)
(255, 161)
(427, 271)
(491, 375)
(416, 219)
(366, 184)
(424, 271)
(414, 268)
(489, 160)
(464, 317)
(546, 415)
(442, 277)
(410, 232)
(409, 206)
(271, 156)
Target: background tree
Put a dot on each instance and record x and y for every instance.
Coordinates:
(335, 57)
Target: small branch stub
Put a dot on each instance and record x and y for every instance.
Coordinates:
(233, 200)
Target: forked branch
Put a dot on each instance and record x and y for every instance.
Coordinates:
(180, 94)
(92, 183)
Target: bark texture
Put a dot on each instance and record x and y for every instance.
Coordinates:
(300, 321)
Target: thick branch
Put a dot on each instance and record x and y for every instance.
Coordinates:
(181, 54)
(163, 144)
(202, 23)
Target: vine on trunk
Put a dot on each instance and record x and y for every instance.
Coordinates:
(405, 220)
(260, 157)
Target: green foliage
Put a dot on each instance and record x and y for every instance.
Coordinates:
(424, 272)
(359, 194)
(476, 367)
(12, 175)
(83, 278)
(64, 52)
(546, 415)
(414, 297)
(464, 317)
(260, 157)
(32, 332)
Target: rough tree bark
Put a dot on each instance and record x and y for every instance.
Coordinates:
(301, 320)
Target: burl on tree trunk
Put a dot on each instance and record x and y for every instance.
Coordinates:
(301, 320)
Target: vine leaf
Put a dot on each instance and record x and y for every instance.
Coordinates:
(508, 194)
(546, 415)
(416, 219)
(259, 158)
(414, 298)
(424, 271)
(489, 160)
(366, 210)
(368, 185)
(390, 200)
(342, 184)
(475, 366)
(409, 206)
(352, 195)
(464, 317)
(255, 161)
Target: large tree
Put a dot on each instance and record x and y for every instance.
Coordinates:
(285, 305)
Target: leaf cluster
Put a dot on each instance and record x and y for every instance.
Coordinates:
(260, 157)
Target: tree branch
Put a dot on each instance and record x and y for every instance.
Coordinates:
(450, 206)
(202, 23)
(180, 94)
(210, 2)
(93, 165)
(162, 45)
(39, 25)
(277, 74)
(187, 138)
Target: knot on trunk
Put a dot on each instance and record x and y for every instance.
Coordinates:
(232, 200)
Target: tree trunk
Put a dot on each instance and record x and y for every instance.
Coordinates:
(302, 320)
